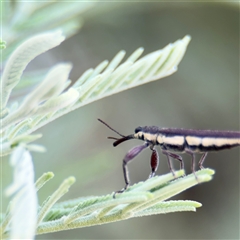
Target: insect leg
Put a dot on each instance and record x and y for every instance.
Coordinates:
(129, 156)
(193, 161)
(175, 156)
(202, 160)
(154, 162)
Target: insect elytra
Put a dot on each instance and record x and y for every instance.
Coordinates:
(172, 141)
(181, 139)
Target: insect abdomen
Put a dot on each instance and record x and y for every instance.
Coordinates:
(205, 144)
(197, 140)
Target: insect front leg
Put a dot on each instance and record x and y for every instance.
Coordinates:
(154, 162)
(129, 156)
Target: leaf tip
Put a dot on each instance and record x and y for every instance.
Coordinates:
(49, 174)
(186, 39)
(71, 180)
(197, 204)
(36, 148)
(59, 35)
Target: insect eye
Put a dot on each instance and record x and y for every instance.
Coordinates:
(138, 129)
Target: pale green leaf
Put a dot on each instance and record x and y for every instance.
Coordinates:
(23, 212)
(21, 57)
(142, 199)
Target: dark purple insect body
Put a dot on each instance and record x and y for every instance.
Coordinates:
(172, 141)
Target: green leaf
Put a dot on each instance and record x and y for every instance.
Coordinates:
(43, 180)
(21, 57)
(47, 101)
(63, 188)
(142, 199)
(22, 216)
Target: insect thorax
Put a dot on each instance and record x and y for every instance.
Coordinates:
(149, 135)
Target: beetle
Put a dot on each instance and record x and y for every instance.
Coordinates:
(172, 141)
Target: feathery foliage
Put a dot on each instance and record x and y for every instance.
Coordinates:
(50, 99)
(30, 18)
(22, 215)
(142, 199)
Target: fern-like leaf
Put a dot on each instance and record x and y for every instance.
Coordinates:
(22, 214)
(20, 59)
(48, 101)
(142, 199)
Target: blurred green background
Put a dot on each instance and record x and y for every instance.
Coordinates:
(202, 94)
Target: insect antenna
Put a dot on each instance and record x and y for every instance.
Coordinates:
(118, 140)
(111, 129)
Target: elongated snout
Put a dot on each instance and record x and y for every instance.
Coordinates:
(120, 140)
